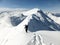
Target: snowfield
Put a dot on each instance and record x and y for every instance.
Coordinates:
(43, 29)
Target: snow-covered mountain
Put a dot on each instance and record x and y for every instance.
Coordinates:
(37, 20)
(40, 21)
(12, 27)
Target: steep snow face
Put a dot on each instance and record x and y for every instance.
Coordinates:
(53, 17)
(38, 20)
(15, 20)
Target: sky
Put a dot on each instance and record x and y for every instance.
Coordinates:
(46, 5)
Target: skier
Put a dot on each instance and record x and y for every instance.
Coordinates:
(26, 28)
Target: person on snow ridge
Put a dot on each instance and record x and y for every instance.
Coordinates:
(26, 28)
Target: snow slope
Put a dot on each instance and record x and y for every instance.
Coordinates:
(13, 32)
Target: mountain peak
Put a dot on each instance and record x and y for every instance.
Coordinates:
(36, 9)
(32, 11)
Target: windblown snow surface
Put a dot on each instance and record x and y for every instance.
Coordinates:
(43, 28)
